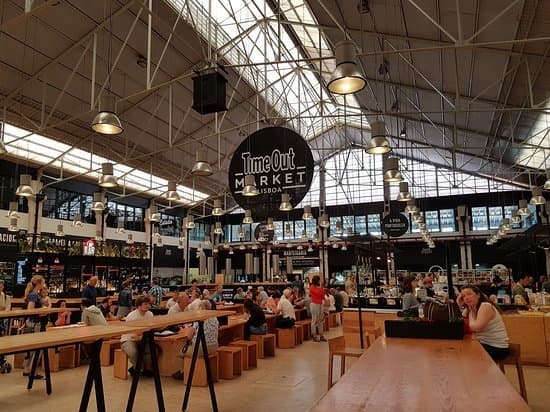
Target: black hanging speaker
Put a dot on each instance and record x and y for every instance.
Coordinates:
(209, 92)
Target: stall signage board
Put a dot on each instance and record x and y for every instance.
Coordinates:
(395, 225)
(280, 161)
(262, 234)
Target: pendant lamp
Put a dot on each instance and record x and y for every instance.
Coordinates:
(107, 178)
(201, 166)
(249, 188)
(391, 170)
(346, 77)
(378, 144)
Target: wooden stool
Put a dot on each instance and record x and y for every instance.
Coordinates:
(120, 370)
(18, 360)
(229, 361)
(306, 326)
(337, 347)
(514, 358)
(326, 324)
(199, 376)
(266, 344)
(333, 319)
(286, 338)
(250, 354)
(168, 349)
(298, 334)
(106, 356)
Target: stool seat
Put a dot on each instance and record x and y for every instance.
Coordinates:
(514, 358)
(199, 375)
(286, 338)
(229, 361)
(251, 352)
(266, 344)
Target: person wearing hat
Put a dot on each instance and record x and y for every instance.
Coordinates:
(125, 299)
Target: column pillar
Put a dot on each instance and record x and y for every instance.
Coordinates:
(323, 253)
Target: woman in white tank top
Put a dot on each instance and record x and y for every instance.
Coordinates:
(485, 321)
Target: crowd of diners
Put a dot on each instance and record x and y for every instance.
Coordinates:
(257, 302)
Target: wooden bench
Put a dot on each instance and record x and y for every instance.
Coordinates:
(251, 352)
(230, 362)
(199, 375)
(106, 356)
(286, 338)
(298, 334)
(266, 344)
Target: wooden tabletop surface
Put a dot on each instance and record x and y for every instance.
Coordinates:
(163, 321)
(29, 312)
(423, 375)
(62, 336)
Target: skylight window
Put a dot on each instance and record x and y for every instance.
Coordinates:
(248, 33)
(43, 150)
(537, 149)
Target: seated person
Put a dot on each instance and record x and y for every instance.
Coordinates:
(172, 301)
(63, 318)
(485, 321)
(194, 302)
(240, 295)
(129, 342)
(107, 308)
(182, 302)
(91, 314)
(409, 300)
(330, 299)
(522, 281)
(286, 310)
(262, 297)
(338, 300)
(273, 301)
(296, 298)
(218, 295)
(255, 325)
(211, 327)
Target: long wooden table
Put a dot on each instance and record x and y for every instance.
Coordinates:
(156, 323)
(423, 375)
(23, 313)
(42, 341)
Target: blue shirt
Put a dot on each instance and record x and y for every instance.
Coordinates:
(90, 292)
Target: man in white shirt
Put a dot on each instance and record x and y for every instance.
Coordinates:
(129, 342)
(194, 305)
(285, 308)
(181, 305)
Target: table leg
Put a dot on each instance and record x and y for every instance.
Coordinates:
(137, 369)
(35, 358)
(209, 377)
(47, 371)
(156, 372)
(90, 378)
(191, 372)
(98, 379)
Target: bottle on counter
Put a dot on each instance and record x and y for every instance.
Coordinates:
(421, 311)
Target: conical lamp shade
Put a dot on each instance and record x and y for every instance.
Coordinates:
(202, 167)
(346, 78)
(107, 178)
(249, 186)
(107, 121)
(24, 189)
(378, 144)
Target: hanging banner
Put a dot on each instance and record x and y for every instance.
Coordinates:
(280, 161)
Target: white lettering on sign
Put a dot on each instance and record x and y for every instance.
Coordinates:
(8, 238)
(276, 162)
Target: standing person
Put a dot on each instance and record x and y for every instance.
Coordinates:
(63, 318)
(125, 299)
(485, 321)
(5, 304)
(156, 293)
(298, 283)
(317, 294)
(90, 291)
(91, 314)
(255, 325)
(522, 281)
(33, 323)
(129, 342)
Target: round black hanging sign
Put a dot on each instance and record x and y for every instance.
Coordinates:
(395, 225)
(280, 161)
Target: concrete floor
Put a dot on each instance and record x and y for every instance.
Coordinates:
(292, 382)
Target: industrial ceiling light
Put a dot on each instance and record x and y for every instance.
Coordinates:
(404, 194)
(218, 228)
(307, 215)
(190, 224)
(59, 231)
(304, 234)
(335, 245)
(249, 188)
(506, 225)
(270, 225)
(24, 189)
(248, 217)
(391, 170)
(98, 204)
(516, 218)
(338, 228)
(240, 232)
(310, 249)
(98, 237)
(547, 183)
(154, 215)
(403, 132)
(172, 192)
(107, 178)
(422, 225)
(107, 121)
(12, 211)
(242, 247)
(324, 220)
(285, 205)
(13, 225)
(268, 250)
(346, 77)
(411, 207)
(201, 166)
(378, 144)
(217, 210)
(226, 245)
(299, 247)
(344, 247)
(289, 245)
(207, 241)
(317, 237)
(120, 226)
(77, 220)
(231, 251)
(130, 239)
(417, 218)
(523, 209)
(537, 198)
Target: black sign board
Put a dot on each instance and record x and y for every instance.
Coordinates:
(395, 225)
(262, 234)
(280, 161)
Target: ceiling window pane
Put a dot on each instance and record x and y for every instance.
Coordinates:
(479, 218)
